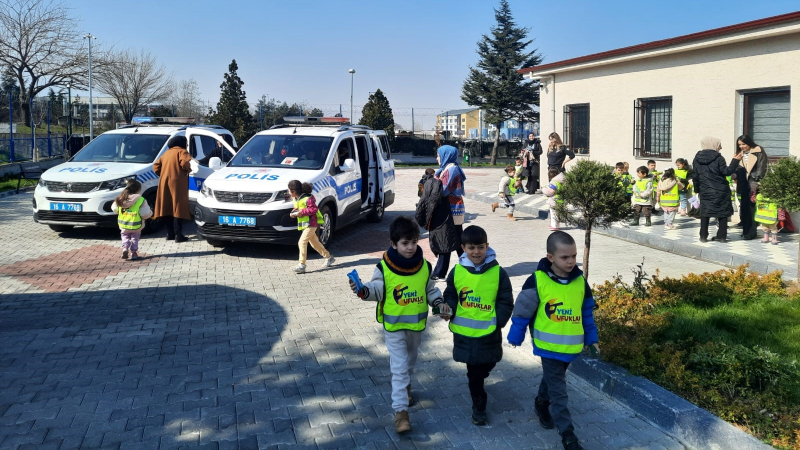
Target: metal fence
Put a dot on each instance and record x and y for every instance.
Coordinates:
(17, 149)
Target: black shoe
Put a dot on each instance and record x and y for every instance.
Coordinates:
(479, 416)
(170, 237)
(571, 444)
(647, 222)
(703, 240)
(181, 238)
(720, 240)
(543, 411)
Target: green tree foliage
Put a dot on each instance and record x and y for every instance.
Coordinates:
(592, 197)
(377, 114)
(495, 85)
(781, 184)
(232, 111)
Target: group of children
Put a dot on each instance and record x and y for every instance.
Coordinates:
(555, 306)
(511, 183)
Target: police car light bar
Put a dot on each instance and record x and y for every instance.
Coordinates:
(165, 120)
(316, 120)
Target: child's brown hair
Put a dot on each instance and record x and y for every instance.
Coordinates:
(552, 173)
(307, 188)
(510, 168)
(429, 171)
(131, 187)
(296, 186)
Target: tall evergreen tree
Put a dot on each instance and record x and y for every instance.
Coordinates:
(495, 85)
(377, 114)
(232, 111)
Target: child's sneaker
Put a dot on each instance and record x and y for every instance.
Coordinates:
(774, 238)
(553, 228)
(479, 417)
(401, 422)
(766, 239)
(512, 218)
(327, 262)
(543, 411)
(135, 256)
(300, 268)
(124, 254)
(571, 444)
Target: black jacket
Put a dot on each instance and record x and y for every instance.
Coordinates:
(487, 349)
(433, 214)
(709, 180)
(556, 157)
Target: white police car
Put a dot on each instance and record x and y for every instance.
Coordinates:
(349, 166)
(81, 191)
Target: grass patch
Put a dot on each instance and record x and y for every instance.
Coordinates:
(8, 183)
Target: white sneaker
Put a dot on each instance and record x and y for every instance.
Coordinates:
(328, 261)
(300, 268)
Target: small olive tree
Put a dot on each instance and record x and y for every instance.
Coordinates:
(592, 197)
(781, 184)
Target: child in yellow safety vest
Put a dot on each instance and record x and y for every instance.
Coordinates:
(507, 189)
(668, 196)
(767, 216)
(480, 295)
(683, 173)
(309, 218)
(132, 210)
(556, 305)
(402, 287)
(642, 196)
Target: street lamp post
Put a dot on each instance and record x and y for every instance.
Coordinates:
(91, 112)
(69, 106)
(352, 72)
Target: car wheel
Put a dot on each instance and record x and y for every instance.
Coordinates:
(60, 228)
(376, 215)
(326, 230)
(216, 243)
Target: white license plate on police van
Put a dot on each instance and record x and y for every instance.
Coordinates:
(237, 221)
(74, 207)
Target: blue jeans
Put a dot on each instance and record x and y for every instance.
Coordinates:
(682, 197)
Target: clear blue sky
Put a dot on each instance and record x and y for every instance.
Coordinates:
(417, 52)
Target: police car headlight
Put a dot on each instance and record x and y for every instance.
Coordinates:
(42, 183)
(206, 191)
(113, 185)
(283, 195)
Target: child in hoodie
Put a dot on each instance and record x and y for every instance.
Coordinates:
(507, 189)
(557, 180)
(132, 210)
(556, 304)
(481, 299)
(643, 196)
(668, 195)
(402, 287)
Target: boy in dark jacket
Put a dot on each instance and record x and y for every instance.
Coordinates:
(556, 303)
(481, 299)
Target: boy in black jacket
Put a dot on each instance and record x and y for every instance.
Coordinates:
(480, 296)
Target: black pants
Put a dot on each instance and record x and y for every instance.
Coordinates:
(642, 209)
(476, 374)
(747, 216)
(533, 178)
(722, 232)
(174, 226)
(554, 390)
(443, 259)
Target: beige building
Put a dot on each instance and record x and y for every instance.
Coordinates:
(657, 100)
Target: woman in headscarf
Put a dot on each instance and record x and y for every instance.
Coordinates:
(710, 184)
(452, 178)
(530, 154)
(172, 197)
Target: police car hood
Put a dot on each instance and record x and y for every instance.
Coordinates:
(258, 179)
(93, 171)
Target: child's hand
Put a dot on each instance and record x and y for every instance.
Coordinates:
(502, 195)
(595, 348)
(294, 213)
(353, 286)
(445, 312)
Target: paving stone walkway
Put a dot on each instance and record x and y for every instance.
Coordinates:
(196, 347)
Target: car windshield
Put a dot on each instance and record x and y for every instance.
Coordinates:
(122, 148)
(296, 152)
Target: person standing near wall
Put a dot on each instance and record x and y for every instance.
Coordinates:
(711, 185)
(172, 198)
(531, 153)
(558, 154)
(754, 167)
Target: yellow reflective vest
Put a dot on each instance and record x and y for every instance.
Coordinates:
(304, 221)
(477, 293)
(129, 218)
(670, 197)
(558, 326)
(766, 211)
(405, 301)
(641, 185)
(627, 178)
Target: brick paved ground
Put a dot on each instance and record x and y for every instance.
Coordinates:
(200, 347)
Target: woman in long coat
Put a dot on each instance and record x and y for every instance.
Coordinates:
(452, 178)
(433, 214)
(172, 199)
(752, 170)
(710, 170)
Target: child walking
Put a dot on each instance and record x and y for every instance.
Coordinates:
(557, 180)
(624, 179)
(480, 296)
(556, 303)
(668, 197)
(767, 216)
(402, 287)
(643, 196)
(507, 189)
(132, 210)
(308, 219)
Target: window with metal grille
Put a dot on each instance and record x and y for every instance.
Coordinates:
(576, 128)
(652, 127)
(766, 120)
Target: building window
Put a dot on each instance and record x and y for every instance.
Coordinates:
(652, 128)
(766, 120)
(576, 128)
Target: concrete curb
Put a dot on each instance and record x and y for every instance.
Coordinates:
(678, 417)
(24, 190)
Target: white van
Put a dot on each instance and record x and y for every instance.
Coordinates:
(81, 191)
(349, 166)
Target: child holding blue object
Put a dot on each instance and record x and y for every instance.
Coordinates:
(556, 304)
(402, 286)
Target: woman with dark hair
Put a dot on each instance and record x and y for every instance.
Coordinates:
(558, 154)
(172, 198)
(710, 170)
(530, 160)
(753, 169)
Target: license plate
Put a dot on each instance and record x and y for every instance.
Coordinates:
(237, 221)
(76, 207)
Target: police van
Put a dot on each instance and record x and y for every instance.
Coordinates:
(349, 167)
(82, 191)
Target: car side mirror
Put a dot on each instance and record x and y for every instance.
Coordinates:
(215, 163)
(349, 165)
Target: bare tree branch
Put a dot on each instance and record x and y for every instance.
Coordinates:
(186, 99)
